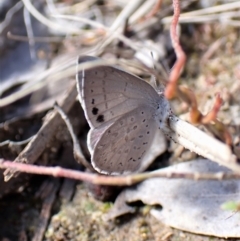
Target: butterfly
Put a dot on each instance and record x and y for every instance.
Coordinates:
(124, 113)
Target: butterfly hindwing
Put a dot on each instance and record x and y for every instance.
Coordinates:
(123, 145)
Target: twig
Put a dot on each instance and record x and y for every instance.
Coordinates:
(15, 143)
(36, 39)
(195, 14)
(46, 211)
(170, 90)
(67, 189)
(30, 7)
(125, 14)
(212, 115)
(137, 46)
(77, 152)
(53, 74)
(212, 49)
(154, 10)
(9, 15)
(113, 180)
(221, 17)
(119, 21)
(141, 12)
(30, 34)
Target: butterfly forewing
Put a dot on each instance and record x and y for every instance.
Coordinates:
(107, 93)
(123, 145)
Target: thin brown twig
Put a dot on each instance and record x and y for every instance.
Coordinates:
(46, 211)
(212, 115)
(112, 180)
(170, 90)
(36, 39)
(77, 152)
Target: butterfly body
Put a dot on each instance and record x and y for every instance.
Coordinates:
(124, 113)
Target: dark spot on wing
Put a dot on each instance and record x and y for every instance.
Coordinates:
(93, 101)
(95, 111)
(100, 118)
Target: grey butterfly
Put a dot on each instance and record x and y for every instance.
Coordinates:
(124, 113)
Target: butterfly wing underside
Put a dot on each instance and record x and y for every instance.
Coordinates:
(106, 93)
(122, 146)
(120, 110)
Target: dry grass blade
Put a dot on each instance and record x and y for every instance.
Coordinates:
(197, 141)
(46, 21)
(207, 14)
(53, 74)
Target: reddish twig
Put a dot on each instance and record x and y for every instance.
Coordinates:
(212, 115)
(210, 119)
(190, 99)
(170, 90)
(154, 10)
(112, 180)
